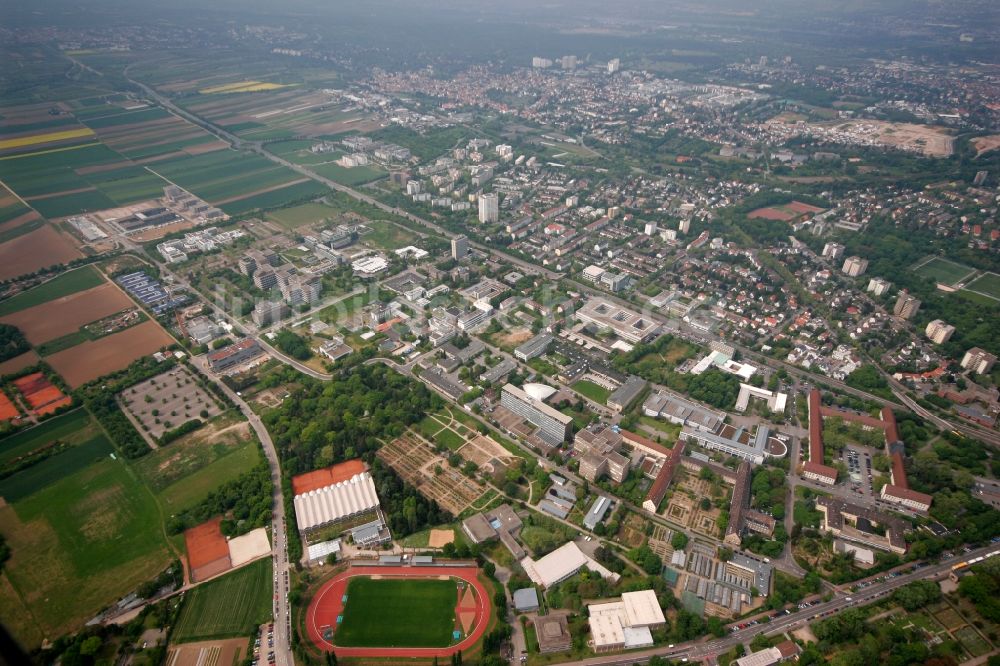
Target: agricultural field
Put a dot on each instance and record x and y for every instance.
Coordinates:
(83, 532)
(36, 249)
(354, 176)
(72, 428)
(96, 358)
(375, 615)
(44, 139)
(238, 182)
(229, 606)
(13, 211)
(385, 235)
(943, 271)
(67, 283)
(64, 315)
(242, 87)
(282, 113)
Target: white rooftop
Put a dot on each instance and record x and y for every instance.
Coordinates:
(642, 609)
(560, 564)
(540, 392)
(341, 500)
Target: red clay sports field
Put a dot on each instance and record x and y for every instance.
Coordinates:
(328, 603)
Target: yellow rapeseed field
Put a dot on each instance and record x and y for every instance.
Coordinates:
(242, 86)
(49, 137)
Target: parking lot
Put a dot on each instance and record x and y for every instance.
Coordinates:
(167, 400)
(263, 646)
(859, 470)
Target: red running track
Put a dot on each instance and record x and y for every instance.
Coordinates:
(327, 604)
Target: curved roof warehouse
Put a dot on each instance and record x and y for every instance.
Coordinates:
(327, 505)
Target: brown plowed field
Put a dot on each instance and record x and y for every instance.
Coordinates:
(207, 550)
(65, 315)
(37, 249)
(15, 222)
(96, 358)
(18, 363)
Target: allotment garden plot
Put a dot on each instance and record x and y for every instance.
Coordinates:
(168, 400)
(414, 459)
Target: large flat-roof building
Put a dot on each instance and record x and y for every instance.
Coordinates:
(553, 426)
(626, 324)
(737, 441)
(534, 347)
(625, 624)
(622, 397)
(682, 411)
(862, 524)
(234, 354)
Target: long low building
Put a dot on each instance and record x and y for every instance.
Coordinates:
(737, 441)
(682, 411)
(331, 504)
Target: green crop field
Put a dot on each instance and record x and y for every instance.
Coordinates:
(344, 176)
(228, 606)
(595, 392)
(942, 270)
(43, 474)
(276, 198)
(65, 427)
(21, 229)
(50, 171)
(127, 118)
(296, 216)
(80, 543)
(398, 613)
(64, 285)
(15, 209)
(71, 204)
(987, 284)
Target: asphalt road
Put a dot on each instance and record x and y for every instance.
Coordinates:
(279, 532)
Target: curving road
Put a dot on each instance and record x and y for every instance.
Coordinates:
(279, 532)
